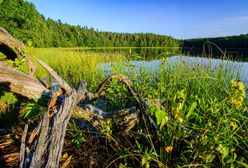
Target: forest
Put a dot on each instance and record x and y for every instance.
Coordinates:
(237, 41)
(24, 22)
(235, 47)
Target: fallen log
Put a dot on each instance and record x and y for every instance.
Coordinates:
(20, 83)
(45, 144)
(27, 86)
(55, 125)
(51, 131)
(122, 121)
(10, 46)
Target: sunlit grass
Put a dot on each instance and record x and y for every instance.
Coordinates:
(74, 65)
(200, 115)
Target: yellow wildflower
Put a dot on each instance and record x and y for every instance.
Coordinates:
(164, 121)
(180, 120)
(168, 149)
(234, 125)
(237, 93)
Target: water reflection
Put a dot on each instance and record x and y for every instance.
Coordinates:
(153, 65)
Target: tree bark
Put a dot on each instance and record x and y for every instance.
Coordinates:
(20, 83)
(49, 144)
(10, 46)
(27, 86)
(47, 147)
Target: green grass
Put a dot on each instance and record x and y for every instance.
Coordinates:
(202, 116)
(200, 119)
(74, 65)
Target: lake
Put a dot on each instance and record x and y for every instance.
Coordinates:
(153, 65)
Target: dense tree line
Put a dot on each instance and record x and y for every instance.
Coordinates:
(24, 22)
(240, 41)
(232, 46)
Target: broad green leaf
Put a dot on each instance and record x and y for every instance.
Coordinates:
(210, 158)
(143, 161)
(160, 115)
(225, 152)
(191, 110)
(242, 163)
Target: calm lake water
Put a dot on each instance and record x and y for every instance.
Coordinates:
(153, 65)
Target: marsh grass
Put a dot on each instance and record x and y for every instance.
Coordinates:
(198, 123)
(74, 65)
(200, 114)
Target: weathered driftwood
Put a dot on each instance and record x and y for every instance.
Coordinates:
(48, 146)
(20, 83)
(23, 144)
(122, 121)
(10, 46)
(45, 144)
(32, 67)
(51, 131)
(30, 87)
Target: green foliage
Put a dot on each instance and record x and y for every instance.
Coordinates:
(238, 41)
(6, 100)
(200, 118)
(18, 64)
(107, 130)
(117, 96)
(9, 98)
(29, 43)
(79, 140)
(34, 108)
(22, 20)
(31, 109)
(8, 111)
(221, 47)
(122, 165)
(75, 65)
(200, 115)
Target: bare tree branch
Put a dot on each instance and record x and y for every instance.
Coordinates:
(23, 145)
(32, 67)
(20, 83)
(123, 120)
(60, 81)
(10, 46)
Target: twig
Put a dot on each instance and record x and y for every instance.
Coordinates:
(23, 144)
(60, 81)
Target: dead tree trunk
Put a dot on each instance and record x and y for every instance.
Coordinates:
(47, 139)
(49, 144)
(20, 83)
(50, 133)
(10, 46)
(45, 144)
(25, 85)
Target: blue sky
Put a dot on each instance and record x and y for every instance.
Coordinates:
(177, 18)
